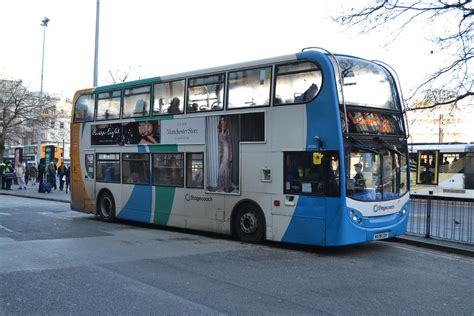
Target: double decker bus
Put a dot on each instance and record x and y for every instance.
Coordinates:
(445, 170)
(308, 148)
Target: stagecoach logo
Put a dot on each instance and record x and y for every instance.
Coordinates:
(381, 208)
(190, 197)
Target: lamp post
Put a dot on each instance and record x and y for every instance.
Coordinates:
(44, 24)
(96, 50)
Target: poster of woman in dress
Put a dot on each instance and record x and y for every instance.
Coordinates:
(222, 139)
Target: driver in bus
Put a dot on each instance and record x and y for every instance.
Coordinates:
(359, 178)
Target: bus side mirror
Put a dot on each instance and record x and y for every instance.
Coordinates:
(318, 142)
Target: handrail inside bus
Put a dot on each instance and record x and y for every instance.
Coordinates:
(399, 88)
(341, 78)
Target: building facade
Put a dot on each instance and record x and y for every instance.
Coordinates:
(451, 123)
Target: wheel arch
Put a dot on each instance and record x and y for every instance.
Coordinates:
(237, 206)
(97, 198)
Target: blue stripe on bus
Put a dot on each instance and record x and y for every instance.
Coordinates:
(307, 225)
(138, 206)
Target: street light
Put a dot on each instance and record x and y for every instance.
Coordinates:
(44, 24)
(96, 50)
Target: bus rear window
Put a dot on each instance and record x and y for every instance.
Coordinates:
(84, 108)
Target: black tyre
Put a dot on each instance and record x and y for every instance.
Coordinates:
(249, 224)
(106, 207)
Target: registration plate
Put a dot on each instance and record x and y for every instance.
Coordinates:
(379, 236)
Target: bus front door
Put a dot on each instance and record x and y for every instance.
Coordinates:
(427, 167)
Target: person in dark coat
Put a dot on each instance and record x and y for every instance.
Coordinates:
(359, 178)
(9, 173)
(33, 174)
(61, 174)
(3, 166)
(41, 172)
(27, 174)
(51, 175)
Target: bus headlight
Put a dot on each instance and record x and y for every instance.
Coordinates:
(402, 212)
(355, 216)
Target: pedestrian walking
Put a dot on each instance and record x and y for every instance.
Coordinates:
(33, 174)
(51, 175)
(41, 173)
(62, 176)
(3, 166)
(9, 174)
(20, 174)
(27, 174)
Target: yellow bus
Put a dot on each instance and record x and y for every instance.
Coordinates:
(49, 151)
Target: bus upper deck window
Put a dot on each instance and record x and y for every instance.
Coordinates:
(169, 97)
(108, 105)
(136, 102)
(248, 88)
(206, 93)
(297, 83)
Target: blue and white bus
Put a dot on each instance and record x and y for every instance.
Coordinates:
(307, 148)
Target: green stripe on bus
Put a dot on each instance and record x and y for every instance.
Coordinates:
(164, 196)
(128, 84)
(154, 118)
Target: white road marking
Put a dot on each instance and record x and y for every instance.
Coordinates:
(54, 215)
(430, 252)
(6, 214)
(7, 229)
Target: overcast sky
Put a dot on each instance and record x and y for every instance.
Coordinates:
(157, 38)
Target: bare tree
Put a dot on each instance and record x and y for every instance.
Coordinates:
(456, 74)
(18, 107)
(123, 75)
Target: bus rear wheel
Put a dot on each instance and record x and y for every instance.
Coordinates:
(106, 207)
(249, 224)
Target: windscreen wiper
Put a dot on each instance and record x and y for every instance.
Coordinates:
(361, 145)
(388, 146)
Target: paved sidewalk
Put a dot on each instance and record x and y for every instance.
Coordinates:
(32, 192)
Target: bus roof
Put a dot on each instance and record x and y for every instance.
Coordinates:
(444, 148)
(197, 72)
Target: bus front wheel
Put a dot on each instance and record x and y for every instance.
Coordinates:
(249, 224)
(106, 207)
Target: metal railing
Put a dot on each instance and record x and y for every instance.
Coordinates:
(450, 219)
